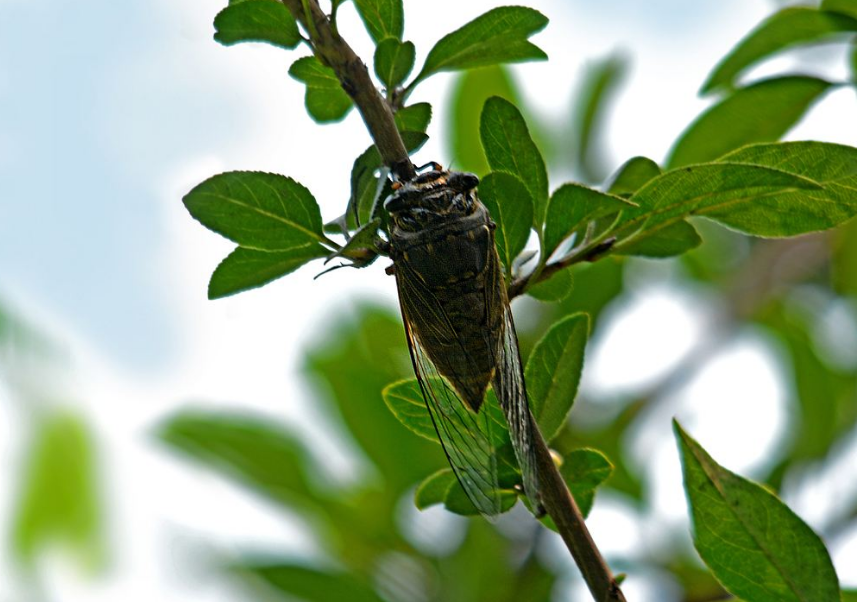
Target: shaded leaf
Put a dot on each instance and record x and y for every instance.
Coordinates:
(555, 288)
(251, 450)
(257, 210)
(753, 543)
(59, 503)
(365, 186)
(675, 239)
(571, 207)
(257, 21)
(394, 61)
(509, 147)
(849, 595)
(383, 18)
(762, 112)
(457, 502)
(471, 89)
(311, 584)
(414, 118)
(583, 471)
(511, 207)
(498, 36)
(244, 269)
(633, 175)
(553, 372)
(786, 28)
(325, 100)
(600, 84)
(434, 488)
(845, 7)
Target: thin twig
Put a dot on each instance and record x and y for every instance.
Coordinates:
(334, 52)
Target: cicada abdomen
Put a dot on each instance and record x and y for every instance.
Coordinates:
(459, 327)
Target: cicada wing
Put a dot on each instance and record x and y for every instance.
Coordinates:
(512, 395)
(466, 436)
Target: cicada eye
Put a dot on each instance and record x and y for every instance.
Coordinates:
(462, 181)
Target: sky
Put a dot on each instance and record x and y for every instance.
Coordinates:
(111, 111)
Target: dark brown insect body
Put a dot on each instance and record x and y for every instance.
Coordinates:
(459, 325)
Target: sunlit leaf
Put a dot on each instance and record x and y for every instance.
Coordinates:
(787, 28)
(59, 504)
(257, 210)
(394, 61)
(383, 18)
(405, 401)
(571, 207)
(511, 207)
(583, 471)
(414, 118)
(762, 112)
(553, 372)
(752, 198)
(498, 36)
(509, 147)
(753, 543)
(246, 269)
(257, 21)
(633, 175)
(325, 100)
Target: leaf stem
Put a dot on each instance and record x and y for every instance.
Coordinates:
(334, 52)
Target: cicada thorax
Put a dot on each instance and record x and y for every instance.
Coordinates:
(444, 237)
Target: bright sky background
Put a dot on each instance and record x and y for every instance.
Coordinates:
(111, 111)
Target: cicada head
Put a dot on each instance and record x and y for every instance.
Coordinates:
(432, 198)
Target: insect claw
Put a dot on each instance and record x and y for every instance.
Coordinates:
(390, 270)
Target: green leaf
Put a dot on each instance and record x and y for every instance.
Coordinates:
(414, 118)
(787, 28)
(257, 21)
(601, 82)
(553, 372)
(762, 112)
(252, 451)
(555, 288)
(257, 210)
(457, 501)
(405, 401)
(413, 140)
(571, 207)
(325, 99)
(511, 207)
(845, 7)
(365, 186)
(753, 543)
(246, 269)
(633, 175)
(849, 595)
(311, 584)
(394, 61)
(675, 239)
(793, 212)
(750, 198)
(470, 91)
(434, 488)
(59, 502)
(509, 147)
(498, 36)
(383, 18)
(583, 471)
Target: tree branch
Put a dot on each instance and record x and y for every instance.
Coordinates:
(335, 53)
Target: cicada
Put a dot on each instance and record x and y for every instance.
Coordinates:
(459, 328)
